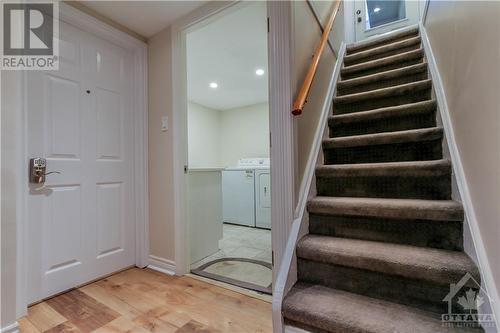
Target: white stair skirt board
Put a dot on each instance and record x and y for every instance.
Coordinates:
(162, 265)
(12, 328)
(458, 171)
(287, 275)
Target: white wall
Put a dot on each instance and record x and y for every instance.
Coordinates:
(219, 138)
(244, 133)
(464, 39)
(10, 151)
(203, 136)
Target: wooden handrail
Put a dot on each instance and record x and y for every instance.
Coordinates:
(300, 100)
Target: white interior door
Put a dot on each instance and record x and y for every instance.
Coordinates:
(80, 224)
(373, 17)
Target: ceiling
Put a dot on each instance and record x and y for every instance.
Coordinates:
(143, 17)
(228, 51)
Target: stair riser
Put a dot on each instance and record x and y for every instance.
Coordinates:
(386, 124)
(381, 43)
(445, 235)
(399, 152)
(382, 83)
(349, 62)
(384, 68)
(431, 188)
(382, 102)
(426, 296)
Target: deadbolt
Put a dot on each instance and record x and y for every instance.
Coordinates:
(37, 170)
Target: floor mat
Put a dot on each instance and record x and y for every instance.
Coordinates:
(242, 272)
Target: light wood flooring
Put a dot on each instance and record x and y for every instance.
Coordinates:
(143, 300)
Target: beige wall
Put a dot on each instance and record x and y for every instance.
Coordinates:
(203, 136)
(219, 138)
(464, 36)
(244, 133)
(306, 37)
(161, 187)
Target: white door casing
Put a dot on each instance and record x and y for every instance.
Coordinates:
(81, 224)
(412, 16)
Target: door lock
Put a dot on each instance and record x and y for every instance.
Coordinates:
(37, 173)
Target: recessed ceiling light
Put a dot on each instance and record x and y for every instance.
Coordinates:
(376, 9)
(259, 72)
(213, 85)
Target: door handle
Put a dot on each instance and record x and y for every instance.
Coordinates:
(37, 170)
(51, 172)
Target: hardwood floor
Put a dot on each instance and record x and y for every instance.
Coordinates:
(143, 300)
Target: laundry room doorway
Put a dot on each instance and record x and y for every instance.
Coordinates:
(227, 183)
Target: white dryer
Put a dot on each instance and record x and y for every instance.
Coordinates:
(263, 198)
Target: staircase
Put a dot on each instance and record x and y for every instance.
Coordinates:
(385, 237)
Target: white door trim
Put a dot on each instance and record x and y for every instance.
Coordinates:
(179, 31)
(90, 24)
(281, 126)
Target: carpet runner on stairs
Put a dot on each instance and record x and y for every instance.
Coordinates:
(385, 237)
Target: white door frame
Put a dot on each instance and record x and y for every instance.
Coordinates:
(281, 127)
(92, 25)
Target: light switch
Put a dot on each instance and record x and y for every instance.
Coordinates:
(164, 123)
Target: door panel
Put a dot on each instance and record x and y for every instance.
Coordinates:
(108, 124)
(80, 223)
(63, 118)
(374, 17)
(64, 233)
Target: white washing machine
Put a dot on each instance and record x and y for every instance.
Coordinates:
(238, 196)
(246, 195)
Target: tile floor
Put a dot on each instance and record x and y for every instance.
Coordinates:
(242, 242)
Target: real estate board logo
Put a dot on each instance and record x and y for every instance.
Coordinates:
(466, 305)
(30, 38)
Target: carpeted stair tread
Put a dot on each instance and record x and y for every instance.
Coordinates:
(381, 76)
(381, 113)
(384, 92)
(324, 309)
(437, 266)
(393, 169)
(375, 42)
(385, 239)
(414, 209)
(382, 62)
(415, 135)
(380, 50)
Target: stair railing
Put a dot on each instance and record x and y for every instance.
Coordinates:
(301, 98)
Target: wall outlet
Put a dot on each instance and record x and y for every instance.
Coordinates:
(164, 123)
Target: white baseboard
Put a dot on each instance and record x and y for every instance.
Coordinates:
(292, 329)
(12, 328)
(487, 278)
(162, 265)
